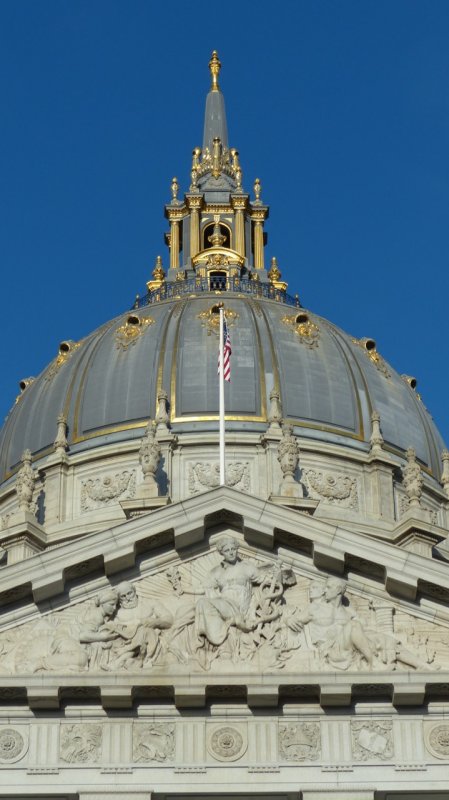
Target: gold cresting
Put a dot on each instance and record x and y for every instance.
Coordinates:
(215, 67)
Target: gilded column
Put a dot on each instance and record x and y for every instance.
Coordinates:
(194, 207)
(174, 244)
(239, 205)
(258, 245)
(239, 232)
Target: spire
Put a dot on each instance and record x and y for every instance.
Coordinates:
(215, 117)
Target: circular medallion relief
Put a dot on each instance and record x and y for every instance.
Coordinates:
(226, 744)
(437, 741)
(12, 745)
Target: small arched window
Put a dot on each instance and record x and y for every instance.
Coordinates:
(208, 231)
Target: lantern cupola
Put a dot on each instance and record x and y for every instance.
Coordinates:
(216, 231)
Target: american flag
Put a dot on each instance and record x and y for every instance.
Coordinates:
(226, 352)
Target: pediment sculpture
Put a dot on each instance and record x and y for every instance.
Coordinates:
(222, 611)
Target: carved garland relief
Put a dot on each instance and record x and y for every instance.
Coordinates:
(107, 489)
(204, 475)
(332, 488)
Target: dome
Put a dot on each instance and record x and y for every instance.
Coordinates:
(324, 382)
(329, 383)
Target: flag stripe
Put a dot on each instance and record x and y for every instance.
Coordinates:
(226, 353)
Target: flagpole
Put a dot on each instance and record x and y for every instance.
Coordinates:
(222, 405)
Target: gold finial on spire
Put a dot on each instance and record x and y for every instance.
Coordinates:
(174, 191)
(257, 191)
(274, 273)
(215, 67)
(158, 276)
(158, 272)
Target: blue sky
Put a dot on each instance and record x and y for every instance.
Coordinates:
(340, 108)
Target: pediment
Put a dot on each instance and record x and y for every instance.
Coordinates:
(273, 615)
(227, 607)
(47, 577)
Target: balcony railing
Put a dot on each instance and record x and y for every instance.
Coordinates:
(256, 289)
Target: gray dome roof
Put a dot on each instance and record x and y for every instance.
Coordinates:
(107, 384)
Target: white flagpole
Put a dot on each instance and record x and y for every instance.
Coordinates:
(222, 405)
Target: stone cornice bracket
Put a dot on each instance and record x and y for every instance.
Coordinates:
(445, 472)
(274, 415)
(149, 457)
(412, 479)
(147, 495)
(288, 457)
(26, 478)
(61, 444)
(376, 438)
(162, 419)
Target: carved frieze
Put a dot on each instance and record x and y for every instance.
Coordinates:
(227, 743)
(437, 740)
(81, 743)
(333, 488)
(204, 475)
(13, 745)
(372, 740)
(224, 608)
(153, 742)
(299, 741)
(107, 489)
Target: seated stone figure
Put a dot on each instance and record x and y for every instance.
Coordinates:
(94, 631)
(332, 628)
(227, 595)
(78, 643)
(136, 625)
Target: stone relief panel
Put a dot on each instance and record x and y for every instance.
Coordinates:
(300, 741)
(13, 745)
(153, 742)
(436, 739)
(372, 740)
(332, 488)
(107, 489)
(222, 609)
(227, 743)
(204, 475)
(81, 743)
